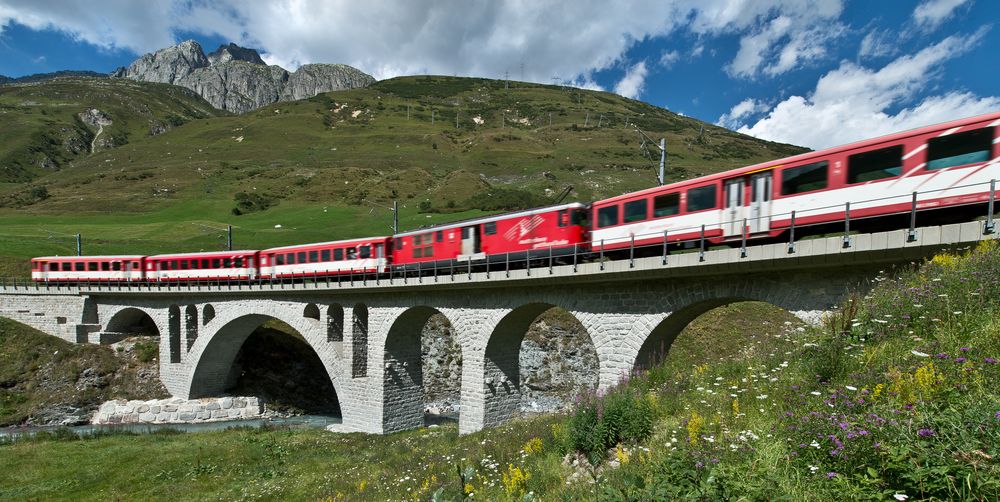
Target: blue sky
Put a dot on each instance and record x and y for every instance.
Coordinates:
(810, 72)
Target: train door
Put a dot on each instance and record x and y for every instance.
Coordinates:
(732, 216)
(470, 240)
(759, 219)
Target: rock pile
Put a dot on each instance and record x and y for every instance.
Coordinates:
(176, 410)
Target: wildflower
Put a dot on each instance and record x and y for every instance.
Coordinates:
(959, 360)
(964, 349)
(997, 415)
(900, 496)
(990, 360)
(919, 354)
(926, 433)
(815, 393)
(849, 387)
(813, 469)
(831, 475)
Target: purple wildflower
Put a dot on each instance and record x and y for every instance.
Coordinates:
(831, 475)
(926, 433)
(959, 360)
(990, 360)
(941, 355)
(997, 415)
(965, 349)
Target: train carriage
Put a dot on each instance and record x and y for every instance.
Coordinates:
(558, 230)
(947, 165)
(124, 268)
(368, 255)
(210, 266)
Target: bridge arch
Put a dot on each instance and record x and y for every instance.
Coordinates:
(214, 354)
(131, 320)
(335, 323)
(207, 314)
(501, 379)
(403, 370)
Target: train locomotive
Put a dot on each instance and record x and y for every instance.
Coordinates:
(949, 166)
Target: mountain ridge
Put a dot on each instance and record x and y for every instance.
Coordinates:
(237, 79)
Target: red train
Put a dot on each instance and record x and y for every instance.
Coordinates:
(950, 165)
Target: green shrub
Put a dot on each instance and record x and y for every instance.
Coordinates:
(147, 351)
(601, 422)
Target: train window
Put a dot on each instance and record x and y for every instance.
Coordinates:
(53, 267)
(702, 198)
(580, 217)
(238, 262)
(227, 263)
(92, 266)
(338, 254)
(324, 255)
(563, 218)
(366, 251)
(184, 264)
(105, 266)
(804, 178)
(635, 210)
(116, 266)
(301, 257)
(352, 254)
(429, 252)
(206, 263)
(607, 216)
(399, 243)
(959, 149)
(289, 258)
(66, 267)
(216, 263)
(278, 259)
(439, 236)
(666, 205)
(875, 165)
(490, 228)
(418, 252)
(313, 256)
(465, 233)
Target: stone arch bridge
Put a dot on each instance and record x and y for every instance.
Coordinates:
(367, 333)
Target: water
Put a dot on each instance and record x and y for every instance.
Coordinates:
(297, 422)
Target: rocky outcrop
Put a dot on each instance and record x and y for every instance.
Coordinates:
(168, 66)
(4, 80)
(233, 52)
(236, 79)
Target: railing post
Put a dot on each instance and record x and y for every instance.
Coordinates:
(989, 226)
(911, 235)
(550, 259)
(847, 225)
(506, 266)
(420, 272)
(701, 245)
(470, 268)
(435, 271)
(665, 240)
(743, 239)
(791, 236)
(631, 251)
(574, 256)
(601, 258)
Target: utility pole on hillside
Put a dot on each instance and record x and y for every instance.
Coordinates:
(79, 245)
(663, 151)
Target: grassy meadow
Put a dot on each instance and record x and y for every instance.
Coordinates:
(893, 398)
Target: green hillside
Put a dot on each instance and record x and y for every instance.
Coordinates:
(327, 167)
(43, 130)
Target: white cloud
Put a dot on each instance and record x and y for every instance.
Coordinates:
(878, 43)
(668, 58)
(742, 110)
(632, 84)
(929, 14)
(782, 44)
(570, 39)
(854, 102)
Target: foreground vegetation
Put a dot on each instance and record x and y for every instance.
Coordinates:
(894, 398)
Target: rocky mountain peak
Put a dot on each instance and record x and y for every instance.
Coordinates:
(233, 52)
(236, 79)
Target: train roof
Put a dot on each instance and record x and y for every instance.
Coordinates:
(92, 257)
(494, 217)
(206, 254)
(771, 164)
(328, 243)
